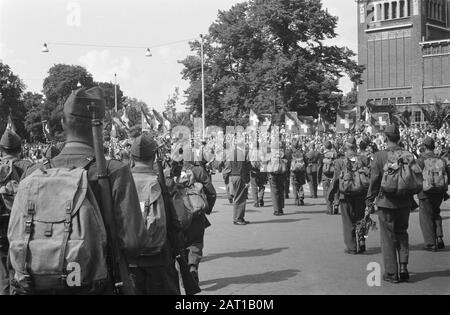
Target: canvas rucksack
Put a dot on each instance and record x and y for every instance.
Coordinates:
(277, 165)
(196, 199)
(328, 164)
(154, 215)
(298, 164)
(355, 178)
(57, 236)
(402, 176)
(9, 183)
(435, 178)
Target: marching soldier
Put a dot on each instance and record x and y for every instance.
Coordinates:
(298, 171)
(154, 270)
(393, 214)
(258, 180)
(132, 236)
(352, 206)
(11, 149)
(430, 202)
(313, 160)
(329, 158)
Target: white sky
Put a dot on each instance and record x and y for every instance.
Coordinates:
(26, 24)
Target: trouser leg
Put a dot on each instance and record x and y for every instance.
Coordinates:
(326, 186)
(240, 193)
(388, 240)
(287, 184)
(348, 226)
(401, 232)
(254, 189)
(4, 273)
(427, 221)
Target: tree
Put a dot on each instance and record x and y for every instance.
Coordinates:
(11, 90)
(109, 93)
(170, 107)
(268, 55)
(437, 114)
(36, 113)
(61, 81)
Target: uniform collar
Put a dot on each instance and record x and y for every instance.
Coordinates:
(77, 148)
(143, 169)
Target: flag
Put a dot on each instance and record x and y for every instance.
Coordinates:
(323, 125)
(346, 120)
(125, 118)
(164, 124)
(267, 120)
(305, 125)
(379, 121)
(254, 119)
(145, 125)
(291, 122)
(10, 124)
(113, 131)
(150, 119)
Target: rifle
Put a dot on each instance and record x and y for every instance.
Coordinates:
(190, 284)
(117, 264)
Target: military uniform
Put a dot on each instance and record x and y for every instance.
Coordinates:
(298, 179)
(154, 271)
(9, 141)
(327, 183)
(131, 233)
(352, 207)
(393, 215)
(430, 211)
(258, 180)
(313, 160)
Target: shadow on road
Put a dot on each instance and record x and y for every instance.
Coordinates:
(279, 221)
(307, 212)
(419, 277)
(267, 277)
(245, 254)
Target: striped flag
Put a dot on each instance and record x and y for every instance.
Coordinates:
(346, 120)
(291, 122)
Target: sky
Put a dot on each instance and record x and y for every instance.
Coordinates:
(26, 24)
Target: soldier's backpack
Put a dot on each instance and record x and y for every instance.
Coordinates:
(298, 164)
(402, 176)
(154, 215)
(435, 178)
(277, 165)
(354, 179)
(328, 164)
(196, 199)
(57, 236)
(9, 183)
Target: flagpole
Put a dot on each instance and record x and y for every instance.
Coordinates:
(115, 91)
(203, 85)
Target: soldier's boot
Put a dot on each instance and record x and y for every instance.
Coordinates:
(440, 243)
(362, 247)
(404, 273)
(194, 272)
(302, 202)
(392, 278)
(261, 203)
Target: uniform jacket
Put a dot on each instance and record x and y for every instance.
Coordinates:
(376, 174)
(339, 166)
(421, 162)
(131, 231)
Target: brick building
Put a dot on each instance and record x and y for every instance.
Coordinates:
(405, 47)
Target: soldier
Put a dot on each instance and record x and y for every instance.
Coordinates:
(258, 180)
(76, 122)
(11, 149)
(154, 270)
(329, 157)
(393, 214)
(352, 206)
(430, 201)
(196, 232)
(287, 182)
(298, 171)
(238, 182)
(313, 160)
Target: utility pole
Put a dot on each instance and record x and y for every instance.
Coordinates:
(115, 91)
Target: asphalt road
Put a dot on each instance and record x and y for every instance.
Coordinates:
(303, 253)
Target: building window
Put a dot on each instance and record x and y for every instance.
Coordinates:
(408, 100)
(400, 100)
(385, 101)
(418, 117)
(378, 101)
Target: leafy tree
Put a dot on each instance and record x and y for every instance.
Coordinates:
(171, 104)
(11, 90)
(437, 114)
(109, 93)
(268, 55)
(61, 81)
(37, 112)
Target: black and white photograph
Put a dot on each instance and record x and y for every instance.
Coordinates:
(224, 154)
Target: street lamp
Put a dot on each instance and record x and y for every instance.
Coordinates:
(44, 48)
(203, 85)
(148, 53)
